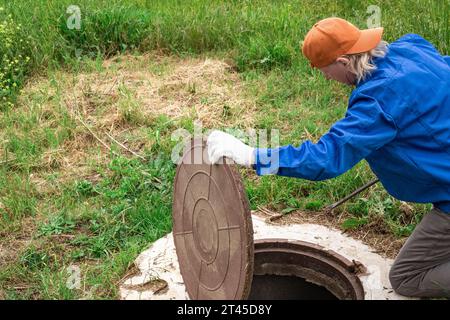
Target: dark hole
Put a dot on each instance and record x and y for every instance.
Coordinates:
(274, 287)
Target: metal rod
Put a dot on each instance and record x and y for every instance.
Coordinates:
(351, 195)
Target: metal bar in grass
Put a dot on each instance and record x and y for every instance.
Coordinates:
(354, 193)
(76, 114)
(124, 147)
(78, 117)
(95, 135)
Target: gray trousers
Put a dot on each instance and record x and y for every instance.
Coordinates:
(422, 268)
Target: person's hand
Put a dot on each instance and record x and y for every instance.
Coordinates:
(221, 144)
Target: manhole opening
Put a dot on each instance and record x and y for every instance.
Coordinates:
(296, 270)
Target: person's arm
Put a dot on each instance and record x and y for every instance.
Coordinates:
(365, 128)
(447, 59)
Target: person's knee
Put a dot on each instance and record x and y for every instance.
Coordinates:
(395, 278)
(401, 285)
(401, 282)
(409, 285)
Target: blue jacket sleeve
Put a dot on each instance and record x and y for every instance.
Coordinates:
(365, 128)
(447, 59)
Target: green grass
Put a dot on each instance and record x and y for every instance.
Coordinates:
(256, 34)
(100, 217)
(108, 224)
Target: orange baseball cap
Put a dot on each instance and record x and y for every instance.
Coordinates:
(332, 37)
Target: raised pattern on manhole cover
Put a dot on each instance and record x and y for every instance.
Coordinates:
(212, 227)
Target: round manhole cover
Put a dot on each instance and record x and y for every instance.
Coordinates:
(212, 227)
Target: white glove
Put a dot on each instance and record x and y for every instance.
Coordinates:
(221, 144)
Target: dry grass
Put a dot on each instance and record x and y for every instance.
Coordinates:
(123, 100)
(205, 89)
(13, 244)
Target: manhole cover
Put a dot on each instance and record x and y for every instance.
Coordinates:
(212, 227)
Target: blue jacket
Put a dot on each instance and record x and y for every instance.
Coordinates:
(398, 119)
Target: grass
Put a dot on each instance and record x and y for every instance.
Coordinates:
(66, 200)
(255, 34)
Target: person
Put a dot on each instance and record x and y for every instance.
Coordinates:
(398, 119)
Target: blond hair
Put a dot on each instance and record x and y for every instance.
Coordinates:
(361, 64)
